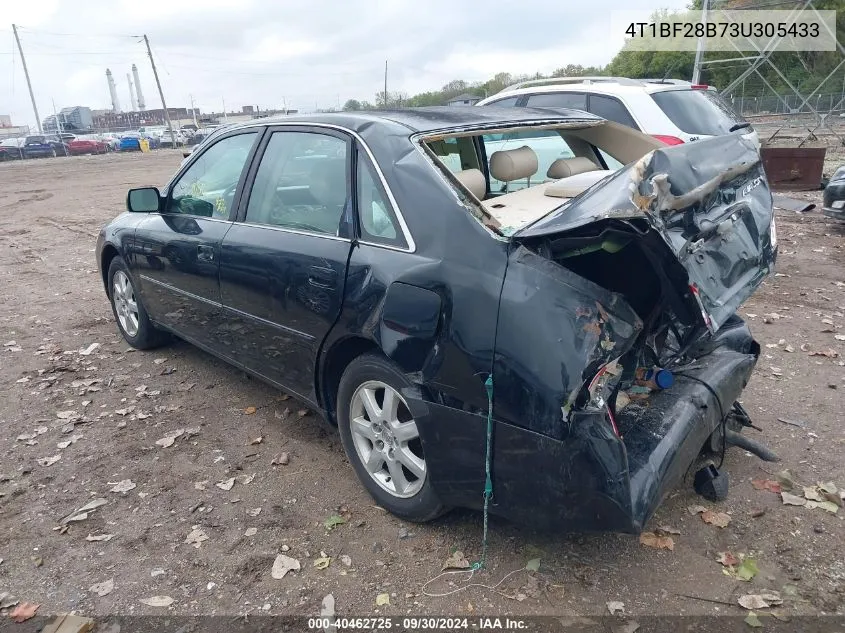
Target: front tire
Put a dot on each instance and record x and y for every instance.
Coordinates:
(382, 441)
(132, 319)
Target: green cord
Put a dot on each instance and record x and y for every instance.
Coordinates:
(488, 481)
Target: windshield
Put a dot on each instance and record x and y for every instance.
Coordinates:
(698, 111)
(35, 139)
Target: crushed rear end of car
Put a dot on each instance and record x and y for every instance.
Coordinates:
(618, 338)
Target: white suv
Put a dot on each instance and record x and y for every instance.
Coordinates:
(670, 110)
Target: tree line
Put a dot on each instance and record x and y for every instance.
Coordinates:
(806, 70)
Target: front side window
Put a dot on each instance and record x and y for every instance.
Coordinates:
(378, 222)
(302, 183)
(208, 187)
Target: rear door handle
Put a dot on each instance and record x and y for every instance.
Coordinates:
(205, 253)
(322, 277)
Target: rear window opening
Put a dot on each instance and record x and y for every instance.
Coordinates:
(698, 111)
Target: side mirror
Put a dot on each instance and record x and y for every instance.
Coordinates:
(143, 200)
(187, 153)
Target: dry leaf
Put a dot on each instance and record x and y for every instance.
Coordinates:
(456, 561)
(652, 539)
(382, 599)
(170, 438)
(254, 512)
(257, 440)
(24, 611)
(828, 353)
(766, 484)
(49, 461)
(123, 486)
(282, 565)
(792, 500)
(323, 562)
(727, 559)
(196, 537)
(719, 519)
(250, 410)
(251, 531)
(760, 601)
(667, 529)
(226, 484)
(811, 493)
(614, 607)
(157, 601)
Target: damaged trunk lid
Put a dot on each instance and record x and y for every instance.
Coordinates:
(710, 203)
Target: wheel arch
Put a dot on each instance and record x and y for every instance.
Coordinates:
(109, 253)
(335, 360)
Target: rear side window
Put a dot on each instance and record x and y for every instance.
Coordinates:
(558, 100)
(612, 110)
(697, 111)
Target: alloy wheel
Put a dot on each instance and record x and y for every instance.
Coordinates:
(386, 439)
(125, 304)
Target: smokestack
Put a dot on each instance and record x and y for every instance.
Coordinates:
(131, 92)
(115, 104)
(141, 104)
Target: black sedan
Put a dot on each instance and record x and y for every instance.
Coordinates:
(42, 145)
(834, 196)
(465, 291)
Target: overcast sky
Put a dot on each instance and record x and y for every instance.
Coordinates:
(303, 54)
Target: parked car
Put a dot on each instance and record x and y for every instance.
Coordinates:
(834, 196)
(346, 259)
(671, 110)
(88, 145)
(176, 140)
(12, 149)
(44, 145)
(130, 141)
(113, 140)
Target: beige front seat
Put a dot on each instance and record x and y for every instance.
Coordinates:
(474, 180)
(513, 164)
(566, 167)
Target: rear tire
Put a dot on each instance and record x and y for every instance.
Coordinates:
(129, 312)
(381, 439)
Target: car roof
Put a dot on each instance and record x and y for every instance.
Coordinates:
(427, 119)
(600, 85)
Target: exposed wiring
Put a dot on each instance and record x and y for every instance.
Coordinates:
(471, 573)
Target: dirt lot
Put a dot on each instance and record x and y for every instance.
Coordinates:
(108, 409)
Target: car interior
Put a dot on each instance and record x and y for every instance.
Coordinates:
(518, 175)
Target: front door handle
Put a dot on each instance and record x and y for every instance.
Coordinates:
(205, 253)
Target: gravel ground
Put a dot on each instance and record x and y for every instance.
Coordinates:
(82, 413)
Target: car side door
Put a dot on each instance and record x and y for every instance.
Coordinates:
(177, 251)
(283, 263)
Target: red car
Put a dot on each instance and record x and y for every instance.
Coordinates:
(88, 145)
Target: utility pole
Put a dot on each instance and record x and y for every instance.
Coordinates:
(385, 84)
(699, 48)
(225, 116)
(28, 82)
(193, 111)
(160, 93)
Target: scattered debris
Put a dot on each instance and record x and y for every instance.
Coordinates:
(456, 561)
(254, 512)
(257, 440)
(346, 560)
(766, 484)
(123, 486)
(282, 459)
(251, 531)
(89, 350)
(282, 565)
(323, 561)
(99, 537)
(727, 559)
(7, 600)
(797, 423)
(753, 621)
(246, 479)
(327, 611)
(158, 571)
(383, 599)
(73, 439)
(533, 565)
(719, 519)
(103, 588)
(786, 479)
(157, 601)
(250, 410)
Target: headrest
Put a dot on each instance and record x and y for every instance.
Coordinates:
(328, 182)
(474, 180)
(566, 167)
(513, 164)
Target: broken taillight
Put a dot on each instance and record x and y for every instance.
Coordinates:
(601, 387)
(669, 140)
